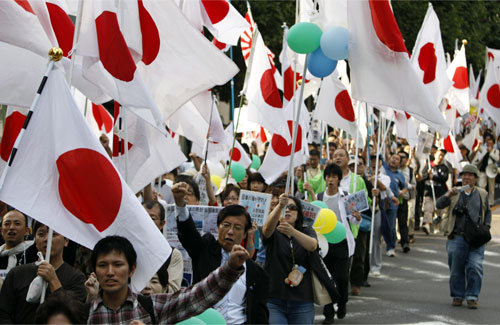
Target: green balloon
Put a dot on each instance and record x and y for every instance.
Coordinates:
(212, 317)
(238, 171)
(337, 234)
(192, 321)
(320, 204)
(304, 37)
(255, 162)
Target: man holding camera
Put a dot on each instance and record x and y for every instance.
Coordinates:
(465, 260)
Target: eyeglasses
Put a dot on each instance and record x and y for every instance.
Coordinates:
(292, 207)
(231, 198)
(238, 228)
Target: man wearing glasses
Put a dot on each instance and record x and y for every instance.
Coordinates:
(246, 302)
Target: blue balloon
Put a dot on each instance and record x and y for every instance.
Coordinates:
(334, 43)
(319, 65)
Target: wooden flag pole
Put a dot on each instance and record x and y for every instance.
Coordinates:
(47, 259)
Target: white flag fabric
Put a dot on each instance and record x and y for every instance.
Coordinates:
(428, 57)
(334, 105)
(151, 153)
(489, 96)
(62, 177)
(405, 127)
(458, 94)
(240, 155)
(470, 139)
(381, 72)
(182, 62)
(264, 101)
(277, 159)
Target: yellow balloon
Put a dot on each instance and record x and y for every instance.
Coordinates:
(216, 179)
(325, 222)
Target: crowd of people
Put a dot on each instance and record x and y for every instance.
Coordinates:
(259, 274)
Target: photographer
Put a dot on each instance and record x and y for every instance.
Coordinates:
(465, 260)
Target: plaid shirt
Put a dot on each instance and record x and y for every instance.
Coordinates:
(169, 308)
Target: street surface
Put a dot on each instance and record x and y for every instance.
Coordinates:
(413, 288)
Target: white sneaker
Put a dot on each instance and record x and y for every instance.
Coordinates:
(375, 273)
(390, 253)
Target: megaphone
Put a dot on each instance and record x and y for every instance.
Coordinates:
(491, 171)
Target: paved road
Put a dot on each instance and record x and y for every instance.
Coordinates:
(413, 288)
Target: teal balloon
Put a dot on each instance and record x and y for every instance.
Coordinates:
(320, 204)
(192, 321)
(334, 42)
(304, 37)
(238, 171)
(337, 234)
(255, 162)
(319, 65)
(212, 317)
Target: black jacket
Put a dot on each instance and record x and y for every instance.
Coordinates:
(206, 255)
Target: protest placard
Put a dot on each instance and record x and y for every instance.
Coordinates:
(424, 145)
(257, 205)
(356, 201)
(310, 212)
(205, 220)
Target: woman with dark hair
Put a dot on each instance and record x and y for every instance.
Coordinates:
(61, 307)
(256, 182)
(288, 243)
(230, 195)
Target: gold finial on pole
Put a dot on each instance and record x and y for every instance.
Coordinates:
(464, 41)
(56, 54)
(299, 82)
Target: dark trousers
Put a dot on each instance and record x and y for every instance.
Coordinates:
(359, 259)
(403, 223)
(419, 200)
(337, 262)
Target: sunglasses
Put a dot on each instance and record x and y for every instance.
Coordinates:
(292, 207)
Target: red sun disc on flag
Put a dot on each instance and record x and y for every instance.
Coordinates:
(113, 51)
(493, 96)
(269, 89)
(491, 56)
(427, 61)
(460, 79)
(150, 35)
(13, 125)
(448, 145)
(280, 145)
(343, 105)
(63, 27)
(89, 187)
(237, 154)
(385, 25)
(216, 9)
(25, 5)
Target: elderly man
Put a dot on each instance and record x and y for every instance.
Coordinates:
(465, 261)
(15, 250)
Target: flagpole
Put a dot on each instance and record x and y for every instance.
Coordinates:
(296, 129)
(356, 148)
(125, 146)
(208, 132)
(78, 25)
(55, 54)
(369, 121)
(231, 112)
(375, 187)
(234, 141)
(47, 259)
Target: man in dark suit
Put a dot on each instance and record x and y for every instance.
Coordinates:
(246, 302)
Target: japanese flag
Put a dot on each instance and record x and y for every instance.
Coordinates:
(405, 127)
(264, 101)
(334, 105)
(458, 94)
(381, 72)
(277, 159)
(223, 20)
(428, 57)
(489, 96)
(453, 154)
(62, 176)
(493, 55)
